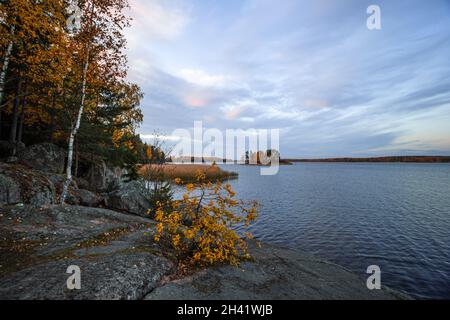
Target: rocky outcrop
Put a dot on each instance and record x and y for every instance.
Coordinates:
(96, 176)
(7, 149)
(49, 159)
(114, 177)
(274, 274)
(19, 184)
(119, 260)
(58, 181)
(9, 189)
(45, 157)
(102, 178)
(115, 252)
(120, 276)
(82, 183)
(35, 180)
(87, 198)
(131, 197)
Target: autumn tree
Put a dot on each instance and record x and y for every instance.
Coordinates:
(33, 34)
(99, 45)
(63, 80)
(201, 227)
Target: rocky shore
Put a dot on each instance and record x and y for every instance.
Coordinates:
(36, 178)
(108, 234)
(119, 260)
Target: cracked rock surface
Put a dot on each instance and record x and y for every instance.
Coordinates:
(275, 274)
(115, 253)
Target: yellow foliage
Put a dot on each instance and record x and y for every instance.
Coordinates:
(200, 226)
(149, 153)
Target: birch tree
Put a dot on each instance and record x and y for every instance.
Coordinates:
(5, 65)
(100, 43)
(6, 56)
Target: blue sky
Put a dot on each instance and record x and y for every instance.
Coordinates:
(309, 68)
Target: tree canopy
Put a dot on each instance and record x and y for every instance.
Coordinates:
(63, 62)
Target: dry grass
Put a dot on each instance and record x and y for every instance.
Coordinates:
(186, 172)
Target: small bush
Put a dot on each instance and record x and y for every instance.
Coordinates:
(159, 192)
(200, 226)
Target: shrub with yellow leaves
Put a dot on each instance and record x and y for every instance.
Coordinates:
(201, 226)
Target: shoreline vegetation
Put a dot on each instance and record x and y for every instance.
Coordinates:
(187, 172)
(403, 159)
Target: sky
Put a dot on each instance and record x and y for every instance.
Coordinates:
(311, 69)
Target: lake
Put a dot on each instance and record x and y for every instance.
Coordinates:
(394, 215)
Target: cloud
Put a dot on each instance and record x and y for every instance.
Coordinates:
(235, 109)
(315, 103)
(311, 69)
(196, 100)
(201, 78)
(157, 19)
(153, 137)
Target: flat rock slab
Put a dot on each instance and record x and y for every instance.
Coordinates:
(112, 277)
(114, 252)
(274, 274)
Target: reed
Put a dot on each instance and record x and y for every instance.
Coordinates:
(186, 172)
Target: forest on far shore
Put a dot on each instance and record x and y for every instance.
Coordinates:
(417, 159)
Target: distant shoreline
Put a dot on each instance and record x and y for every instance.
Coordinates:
(402, 159)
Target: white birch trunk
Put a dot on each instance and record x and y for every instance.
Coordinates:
(73, 133)
(5, 67)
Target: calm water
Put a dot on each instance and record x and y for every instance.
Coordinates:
(396, 216)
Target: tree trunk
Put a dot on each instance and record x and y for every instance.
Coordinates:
(74, 130)
(5, 67)
(15, 116)
(52, 119)
(1, 120)
(3, 76)
(22, 115)
(76, 127)
(77, 152)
